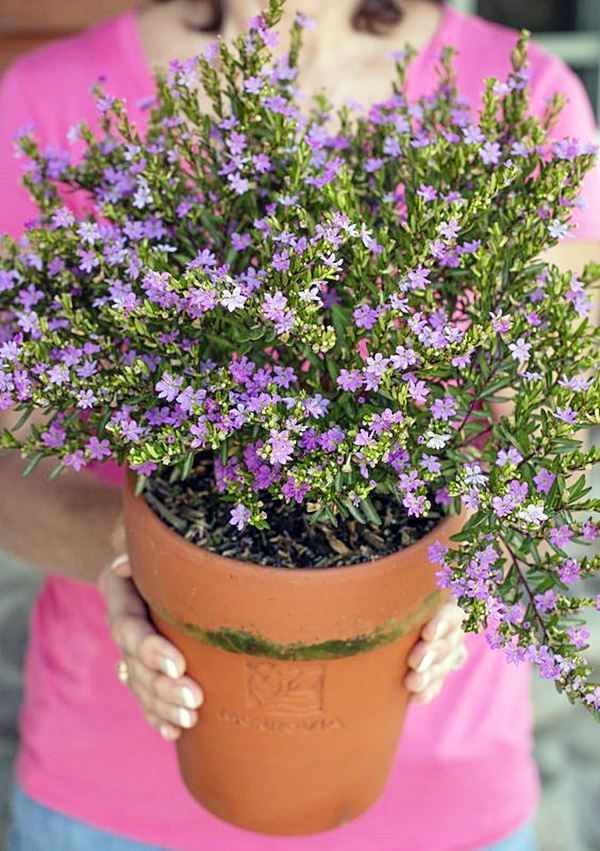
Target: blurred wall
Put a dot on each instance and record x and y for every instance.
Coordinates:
(25, 24)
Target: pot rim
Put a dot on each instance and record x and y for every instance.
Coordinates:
(376, 565)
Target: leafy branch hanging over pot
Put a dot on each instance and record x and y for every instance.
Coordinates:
(325, 307)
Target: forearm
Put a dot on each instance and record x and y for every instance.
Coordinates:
(66, 526)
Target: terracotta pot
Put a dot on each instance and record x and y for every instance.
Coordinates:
(302, 671)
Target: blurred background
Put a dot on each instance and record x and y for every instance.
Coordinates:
(567, 740)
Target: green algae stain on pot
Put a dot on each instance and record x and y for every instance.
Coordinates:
(250, 644)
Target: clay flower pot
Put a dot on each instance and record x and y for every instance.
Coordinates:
(302, 671)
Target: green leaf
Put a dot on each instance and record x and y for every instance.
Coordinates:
(140, 483)
(23, 418)
(188, 465)
(56, 472)
(355, 511)
(370, 511)
(32, 463)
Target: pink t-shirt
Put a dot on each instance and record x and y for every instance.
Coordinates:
(464, 775)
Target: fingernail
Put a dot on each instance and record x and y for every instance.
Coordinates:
(169, 667)
(426, 661)
(190, 698)
(168, 732)
(118, 561)
(440, 629)
(425, 680)
(185, 717)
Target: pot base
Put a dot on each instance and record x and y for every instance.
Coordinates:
(273, 740)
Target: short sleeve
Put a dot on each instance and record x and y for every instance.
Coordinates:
(575, 121)
(16, 112)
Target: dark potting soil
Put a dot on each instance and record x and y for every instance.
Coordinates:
(195, 510)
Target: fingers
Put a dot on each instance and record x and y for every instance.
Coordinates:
(447, 619)
(168, 731)
(183, 692)
(156, 667)
(440, 651)
(435, 677)
(167, 713)
(169, 704)
(121, 566)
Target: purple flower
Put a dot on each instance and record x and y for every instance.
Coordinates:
(366, 316)
(98, 449)
(62, 218)
(282, 447)
(58, 375)
(491, 153)
(589, 531)
(168, 386)
(520, 350)
(510, 456)
(130, 430)
(427, 193)
(374, 371)
(569, 571)
(145, 469)
(533, 514)
(578, 636)
(233, 299)
(431, 463)
(558, 230)
(373, 164)
(560, 537)
(544, 481)
(577, 383)
(437, 552)
(239, 184)
(474, 475)
(471, 500)
(416, 279)
(350, 380)
(86, 399)
(88, 232)
(241, 241)
(500, 323)
(547, 601)
(88, 261)
(55, 436)
(240, 515)
(76, 460)
(416, 505)
(443, 409)
(262, 163)
(473, 134)
(294, 490)
(567, 415)
(449, 229)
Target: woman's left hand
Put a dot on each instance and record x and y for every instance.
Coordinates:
(440, 650)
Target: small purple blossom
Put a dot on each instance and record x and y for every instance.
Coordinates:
(544, 481)
(240, 516)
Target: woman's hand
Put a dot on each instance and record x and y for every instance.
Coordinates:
(155, 667)
(440, 651)
(169, 699)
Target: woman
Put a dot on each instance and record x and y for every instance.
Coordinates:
(91, 775)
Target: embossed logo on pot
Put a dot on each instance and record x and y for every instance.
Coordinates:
(314, 724)
(284, 688)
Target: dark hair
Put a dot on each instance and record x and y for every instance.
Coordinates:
(371, 16)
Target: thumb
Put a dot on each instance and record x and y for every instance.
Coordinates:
(121, 566)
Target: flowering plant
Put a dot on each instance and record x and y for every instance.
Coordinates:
(331, 304)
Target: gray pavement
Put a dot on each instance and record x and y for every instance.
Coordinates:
(567, 742)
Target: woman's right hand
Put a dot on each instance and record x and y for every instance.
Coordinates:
(155, 667)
